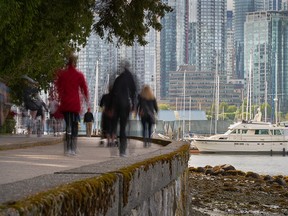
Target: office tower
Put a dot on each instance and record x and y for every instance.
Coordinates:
(285, 5)
(192, 30)
(199, 88)
(241, 8)
(172, 45)
(266, 58)
(211, 34)
(230, 52)
(152, 66)
(143, 60)
(265, 5)
(97, 50)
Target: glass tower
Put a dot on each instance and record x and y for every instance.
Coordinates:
(266, 59)
(211, 34)
(172, 47)
(241, 8)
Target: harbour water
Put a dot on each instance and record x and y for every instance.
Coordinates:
(261, 164)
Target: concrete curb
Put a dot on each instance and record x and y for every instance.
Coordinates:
(29, 144)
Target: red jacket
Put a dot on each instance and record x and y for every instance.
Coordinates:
(69, 83)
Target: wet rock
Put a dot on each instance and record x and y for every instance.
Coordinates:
(268, 178)
(208, 171)
(234, 173)
(280, 181)
(237, 193)
(227, 167)
(253, 175)
(200, 169)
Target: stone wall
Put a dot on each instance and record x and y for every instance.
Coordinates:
(152, 184)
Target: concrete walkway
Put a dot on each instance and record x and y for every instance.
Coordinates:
(40, 157)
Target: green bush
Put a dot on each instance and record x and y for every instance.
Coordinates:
(8, 126)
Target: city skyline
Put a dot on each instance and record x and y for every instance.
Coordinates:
(167, 50)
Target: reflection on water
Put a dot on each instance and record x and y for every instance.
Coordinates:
(262, 164)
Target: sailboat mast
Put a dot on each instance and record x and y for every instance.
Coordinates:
(190, 114)
(249, 88)
(184, 103)
(95, 106)
(276, 89)
(266, 86)
(216, 94)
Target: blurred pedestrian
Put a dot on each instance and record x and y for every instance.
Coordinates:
(123, 99)
(70, 82)
(55, 116)
(108, 120)
(34, 103)
(88, 120)
(147, 108)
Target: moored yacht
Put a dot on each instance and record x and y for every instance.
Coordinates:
(252, 136)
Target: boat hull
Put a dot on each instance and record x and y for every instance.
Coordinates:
(208, 145)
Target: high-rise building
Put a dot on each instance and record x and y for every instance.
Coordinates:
(285, 5)
(211, 35)
(241, 8)
(230, 52)
(97, 56)
(266, 5)
(266, 57)
(199, 89)
(173, 42)
(192, 30)
(105, 59)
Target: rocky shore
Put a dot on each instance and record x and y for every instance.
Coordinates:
(223, 190)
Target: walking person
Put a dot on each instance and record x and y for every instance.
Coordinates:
(108, 120)
(88, 120)
(147, 108)
(69, 83)
(53, 107)
(34, 103)
(123, 102)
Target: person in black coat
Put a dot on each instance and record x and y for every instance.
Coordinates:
(108, 121)
(147, 108)
(123, 99)
(88, 120)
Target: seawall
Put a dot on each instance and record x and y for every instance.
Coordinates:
(149, 184)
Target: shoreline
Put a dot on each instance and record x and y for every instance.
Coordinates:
(223, 190)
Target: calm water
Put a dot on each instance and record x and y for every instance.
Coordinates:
(262, 164)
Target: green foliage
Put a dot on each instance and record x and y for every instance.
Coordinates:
(8, 127)
(163, 107)
(37, 35)
(129, 21)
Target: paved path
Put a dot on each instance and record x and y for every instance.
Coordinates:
(25, 163)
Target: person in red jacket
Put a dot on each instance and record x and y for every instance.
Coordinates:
(69, 83)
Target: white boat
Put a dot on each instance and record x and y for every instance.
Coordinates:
(253, 137)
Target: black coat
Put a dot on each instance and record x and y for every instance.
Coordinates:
(124, 92)
(88, 117)
(147, 109)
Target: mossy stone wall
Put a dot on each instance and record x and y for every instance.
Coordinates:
(156, 185)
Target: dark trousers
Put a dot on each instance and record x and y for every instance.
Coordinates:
(146, 129)
(123, 116)
(71, 120)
